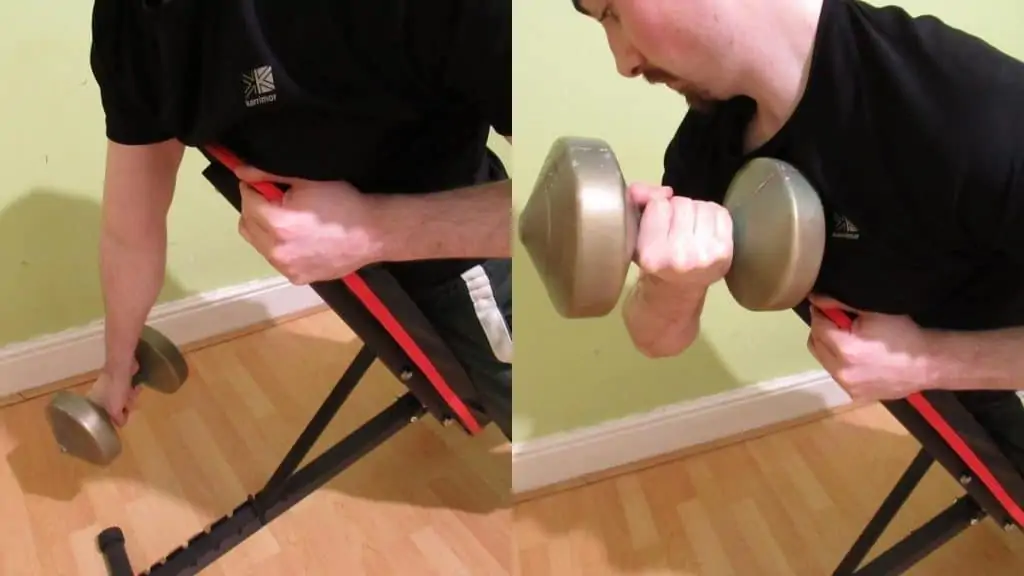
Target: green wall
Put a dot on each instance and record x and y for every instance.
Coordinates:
(577, 373)
(52, 152)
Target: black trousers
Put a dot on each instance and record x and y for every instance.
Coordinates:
(1001, 413)
(473, 315)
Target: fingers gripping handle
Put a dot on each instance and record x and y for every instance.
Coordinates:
(362, 291)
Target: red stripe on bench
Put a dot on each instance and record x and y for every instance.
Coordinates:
(362, 291)
(958, 444)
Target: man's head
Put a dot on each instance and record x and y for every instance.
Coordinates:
(713, 50)
(688, 45)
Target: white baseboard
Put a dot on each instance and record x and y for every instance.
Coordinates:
(54, 357)
(567, 456)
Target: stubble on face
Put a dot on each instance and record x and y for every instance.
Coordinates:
(696, 98)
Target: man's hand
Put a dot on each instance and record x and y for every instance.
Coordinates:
(321, 231)
(883, 357)
(684, 243)
(115, 393)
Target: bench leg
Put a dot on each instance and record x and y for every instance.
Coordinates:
(927, 538)
(286, 487)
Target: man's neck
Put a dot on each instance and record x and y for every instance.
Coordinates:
(779, 63)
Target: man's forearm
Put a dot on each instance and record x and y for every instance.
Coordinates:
(132, 274)
(662, 320)
(472, 222)
(987, 360)
(137, 194)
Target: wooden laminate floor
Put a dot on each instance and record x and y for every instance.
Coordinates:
(790, 503)
(435, 502)
(430, 501)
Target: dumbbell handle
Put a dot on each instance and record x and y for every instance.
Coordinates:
(139, 377)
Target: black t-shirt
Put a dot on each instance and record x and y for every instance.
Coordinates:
(394, 96)
(911, 131)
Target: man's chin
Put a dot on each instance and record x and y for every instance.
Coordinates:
(700, 104)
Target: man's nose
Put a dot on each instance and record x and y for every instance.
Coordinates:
(628, 61)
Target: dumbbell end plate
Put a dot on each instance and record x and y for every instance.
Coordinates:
(161, 365)
(778, 236)
(578, 227)
(82, 429)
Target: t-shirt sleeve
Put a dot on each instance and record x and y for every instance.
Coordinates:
(473, 55)
(126, 90)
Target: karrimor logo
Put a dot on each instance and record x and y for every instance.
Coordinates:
(259, 86)
(843, 227)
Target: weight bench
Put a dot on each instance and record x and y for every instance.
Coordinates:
(951, 436)
(393, 331)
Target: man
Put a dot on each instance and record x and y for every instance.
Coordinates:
(910, 130)
(376, 116)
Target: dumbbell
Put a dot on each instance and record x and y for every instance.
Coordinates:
(579, 229)
(83, 428)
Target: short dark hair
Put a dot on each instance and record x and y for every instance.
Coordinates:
(579, 8)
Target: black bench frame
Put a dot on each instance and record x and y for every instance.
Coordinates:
(977, 504)
(950, 436)
(289, 484)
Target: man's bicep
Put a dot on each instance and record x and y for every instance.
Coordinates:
(139, 185)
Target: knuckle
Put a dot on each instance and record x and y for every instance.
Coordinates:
(649, 261)
(682, 261)
(682, 204)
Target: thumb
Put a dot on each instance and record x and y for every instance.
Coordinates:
(643, 194)
(118, 410)
(252, 175)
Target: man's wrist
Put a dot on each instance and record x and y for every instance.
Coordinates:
(119, 367)
(661, 295)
